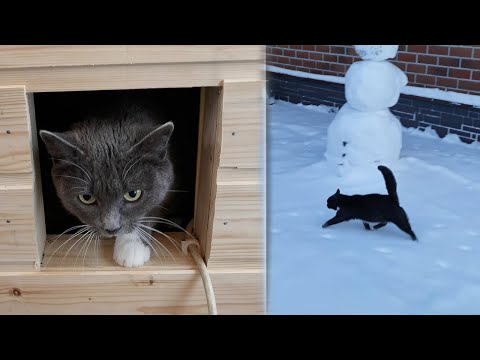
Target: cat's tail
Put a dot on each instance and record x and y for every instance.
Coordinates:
(390, 183)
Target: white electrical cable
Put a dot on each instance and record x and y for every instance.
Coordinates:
(192, 245)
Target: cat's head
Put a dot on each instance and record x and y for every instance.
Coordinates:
(332, 201)
(111, 177)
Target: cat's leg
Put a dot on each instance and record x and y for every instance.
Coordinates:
(366, 225)
(378, 226)
(338, 218)
(405, 226)
(130, 250)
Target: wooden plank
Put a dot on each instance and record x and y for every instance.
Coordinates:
(207, 166)
(243, 124)
(27, 56)
(17, 226)
(65, 253)
(227, 175)
(142, 76)
(14, 132)
(238, 234)
(38, 209)
(148, 292)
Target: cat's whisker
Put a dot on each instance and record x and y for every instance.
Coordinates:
(156, 241)
(86, 250)
(162, 233)
(79, 232)
(73, 177)
(166, 221)
(73, 227)
(97, 245)
(83, 245)
(81, 168)
(149, 244)
(76, 242)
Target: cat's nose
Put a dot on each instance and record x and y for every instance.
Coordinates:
(112, 231)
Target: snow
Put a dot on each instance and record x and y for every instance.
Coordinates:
(376, 52)
(451, 96)
(372, 86)
(357, 138)
(345, 269)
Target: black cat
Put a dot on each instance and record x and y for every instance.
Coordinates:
(377, 208)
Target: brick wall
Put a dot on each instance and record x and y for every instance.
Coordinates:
(413, 111)
(448, 67)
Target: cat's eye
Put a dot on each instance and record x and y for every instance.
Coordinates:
(87, 199)
(133, 195)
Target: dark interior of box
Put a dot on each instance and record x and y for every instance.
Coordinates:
(58, 111)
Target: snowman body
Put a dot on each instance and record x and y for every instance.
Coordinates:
(364, 131)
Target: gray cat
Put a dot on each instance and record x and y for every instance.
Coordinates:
(114, 173)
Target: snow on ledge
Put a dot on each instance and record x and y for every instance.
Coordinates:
(451, 96)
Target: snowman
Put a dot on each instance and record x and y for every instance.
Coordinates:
(364, 131)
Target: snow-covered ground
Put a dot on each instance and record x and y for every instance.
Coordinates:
(345, 269)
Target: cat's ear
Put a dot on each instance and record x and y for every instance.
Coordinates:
(156, 141)
(338, 192)
(60, 145)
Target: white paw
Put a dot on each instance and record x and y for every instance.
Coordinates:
(130, 251)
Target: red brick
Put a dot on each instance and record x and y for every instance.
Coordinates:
(316, 56)
(461, 51)
(283, 60)
(470, 64)
(330, 73)
(469, 85)
(411, 78)
(309, 63)
(345, 59)
(285, 46)
(438, 49)
(277, 51)
(425, 79)
(437, 70)
(322, 48)
(296, 62)
(422, 49)
(476, 53)
(449, 61)
(290, 53)
(338, 67)
(268, 50)
(269, 58)
(428, 59)
(308, 47)
(317, 71)
(407, 57)
(296, 47)
(330, 58)
(476, 75)
(447, 82)
(402, 66)
(402, 47)
(351, 51)
(322, 65)
(337, 49)
(459, 73)
(290, 67)
(415, 68)
(302, 54)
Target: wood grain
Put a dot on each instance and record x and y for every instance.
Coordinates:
(138, 76)
(243, 125)
(28, 56)
(147, 292)
(14, 132)
(209, 154)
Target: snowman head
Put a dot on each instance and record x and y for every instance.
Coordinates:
(376, 52)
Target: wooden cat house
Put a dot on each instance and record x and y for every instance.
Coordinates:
(228, 219)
